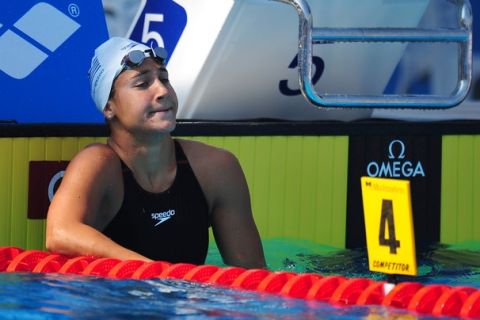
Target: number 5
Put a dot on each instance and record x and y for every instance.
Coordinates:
(146, 34)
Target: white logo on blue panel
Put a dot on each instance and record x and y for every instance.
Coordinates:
(45, 25)
(159, 23)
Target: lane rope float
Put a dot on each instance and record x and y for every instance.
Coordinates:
(435, 299)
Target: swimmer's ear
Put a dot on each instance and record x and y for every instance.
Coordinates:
(108, 112)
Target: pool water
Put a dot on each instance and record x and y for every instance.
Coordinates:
(54, 296)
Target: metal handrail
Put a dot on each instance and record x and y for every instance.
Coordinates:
(308, 35)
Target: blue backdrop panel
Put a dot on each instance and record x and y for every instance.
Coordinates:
(45, 52)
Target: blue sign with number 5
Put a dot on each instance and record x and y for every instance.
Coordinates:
(160, 23)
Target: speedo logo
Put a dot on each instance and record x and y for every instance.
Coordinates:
(161, 217)
(48, 27)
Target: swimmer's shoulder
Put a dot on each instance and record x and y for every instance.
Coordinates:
(96, 157)
(213, 166)
(205, 155)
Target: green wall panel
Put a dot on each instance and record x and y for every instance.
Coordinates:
(6, 159)
(460, 203)
(297, 184)
(18, 225)
(15, 228)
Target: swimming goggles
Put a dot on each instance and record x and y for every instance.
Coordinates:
(135, 57)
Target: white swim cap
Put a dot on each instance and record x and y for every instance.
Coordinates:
(107, 64)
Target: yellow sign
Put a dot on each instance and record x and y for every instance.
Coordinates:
(387, 209)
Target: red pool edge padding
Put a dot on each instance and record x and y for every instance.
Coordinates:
(435, 299)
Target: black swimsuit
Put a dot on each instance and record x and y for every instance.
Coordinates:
(168, 226)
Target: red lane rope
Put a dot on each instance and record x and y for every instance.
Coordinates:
(125, 269)
(299, 285)
(26, 261)
(373, 294)
(201, 273)
(250, 279)
(150, 270)
(424, 300)
(438, 300)
(449, 304)
(6, 256)
(226, 276)
(51, 263)
(76, 265)
(100, 267)
(324, 289)
(401, 294)
(274, 282)
(349, 291)
(176, 271)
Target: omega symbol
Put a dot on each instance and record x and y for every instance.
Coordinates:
(53, 182)
(401, 154)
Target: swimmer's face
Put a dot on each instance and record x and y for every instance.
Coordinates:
(142, 97)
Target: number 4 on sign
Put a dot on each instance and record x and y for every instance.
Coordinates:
(388, 215)
(387, 219)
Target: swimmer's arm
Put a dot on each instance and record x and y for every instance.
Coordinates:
(74, 216)
(233, 225)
